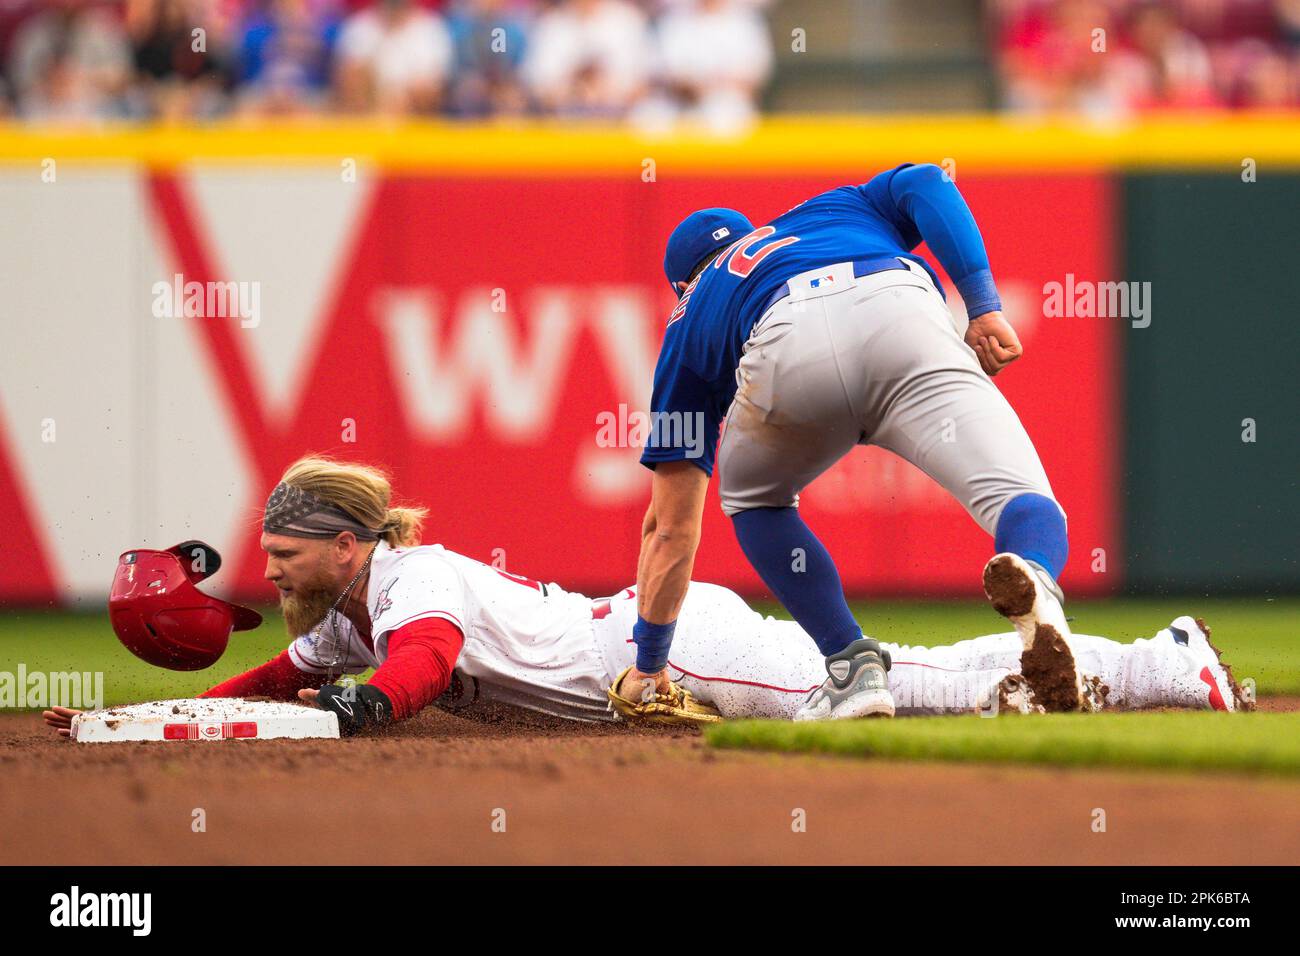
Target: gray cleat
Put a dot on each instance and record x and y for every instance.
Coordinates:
(856, 685)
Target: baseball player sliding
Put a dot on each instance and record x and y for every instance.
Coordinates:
(817, 332)
(441, 627)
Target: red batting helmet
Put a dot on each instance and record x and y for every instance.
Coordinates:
(161, 616)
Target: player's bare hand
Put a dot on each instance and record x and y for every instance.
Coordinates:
(59, 719)
(636, 684)
(994, 342)
(308, 695)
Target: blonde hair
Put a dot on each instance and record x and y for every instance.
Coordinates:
(362, 491)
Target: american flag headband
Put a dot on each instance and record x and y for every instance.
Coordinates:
(299, 513)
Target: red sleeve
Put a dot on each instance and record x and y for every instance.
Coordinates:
(418, 667)
(279, 679)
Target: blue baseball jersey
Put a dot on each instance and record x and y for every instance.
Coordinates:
(695, 378)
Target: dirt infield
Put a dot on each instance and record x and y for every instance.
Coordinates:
(429, 793)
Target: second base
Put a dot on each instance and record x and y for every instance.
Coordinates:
(218, 718)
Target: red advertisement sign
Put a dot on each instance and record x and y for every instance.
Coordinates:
(487, 339)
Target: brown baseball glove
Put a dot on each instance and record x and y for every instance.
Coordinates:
(676, 707)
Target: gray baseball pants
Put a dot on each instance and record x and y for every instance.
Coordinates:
(874, 360)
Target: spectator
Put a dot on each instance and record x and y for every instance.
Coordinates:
(1217, 21)
(714, 56)
(1049, 62)
(1288, 15)
(283, 55)
(1178, 54)
(1265, 79)
(1169, 66)
(180, 63)
(70, 62)
(589, 58)
(393, 58)
(489, 39)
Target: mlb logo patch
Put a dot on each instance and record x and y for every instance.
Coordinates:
(721, 233)
(824, 280)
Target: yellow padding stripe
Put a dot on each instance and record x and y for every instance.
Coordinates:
(784, 145)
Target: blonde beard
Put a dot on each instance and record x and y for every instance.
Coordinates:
(307, 606)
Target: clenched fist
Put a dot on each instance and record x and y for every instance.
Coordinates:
(994, 341)
(358, 707)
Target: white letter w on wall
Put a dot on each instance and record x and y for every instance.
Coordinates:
(439, 370)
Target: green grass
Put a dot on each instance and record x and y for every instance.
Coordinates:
(55, 641)
(1260, 637)
(1264, 743)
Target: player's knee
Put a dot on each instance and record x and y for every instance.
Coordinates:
(738, 500)
(1035, 505)
(991, 508)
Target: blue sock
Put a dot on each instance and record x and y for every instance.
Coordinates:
(1033, 527)
(797, 568)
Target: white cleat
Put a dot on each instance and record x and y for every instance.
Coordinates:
(1025, 593)
(1207, 678)
(855, 685)
(1013, 695)
(1094, 696)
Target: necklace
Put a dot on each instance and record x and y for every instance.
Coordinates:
(340, 655)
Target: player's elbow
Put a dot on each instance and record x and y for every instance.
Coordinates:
(924, 176)
(649, 523)
(679, 537)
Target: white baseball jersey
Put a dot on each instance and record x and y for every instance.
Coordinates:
(539, 647)
(527, 643)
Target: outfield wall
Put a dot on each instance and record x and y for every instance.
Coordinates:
(471, 307)
(1211, 407)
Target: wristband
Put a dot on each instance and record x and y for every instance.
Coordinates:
(652, 644)
(979, 293)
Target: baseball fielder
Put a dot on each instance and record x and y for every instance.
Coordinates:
(441, 627)
(817, 332)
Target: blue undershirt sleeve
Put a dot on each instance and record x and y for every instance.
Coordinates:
(926, 196)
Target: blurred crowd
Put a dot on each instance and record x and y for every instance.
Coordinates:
(1167, 56)
(655, 61)
(649, 61)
